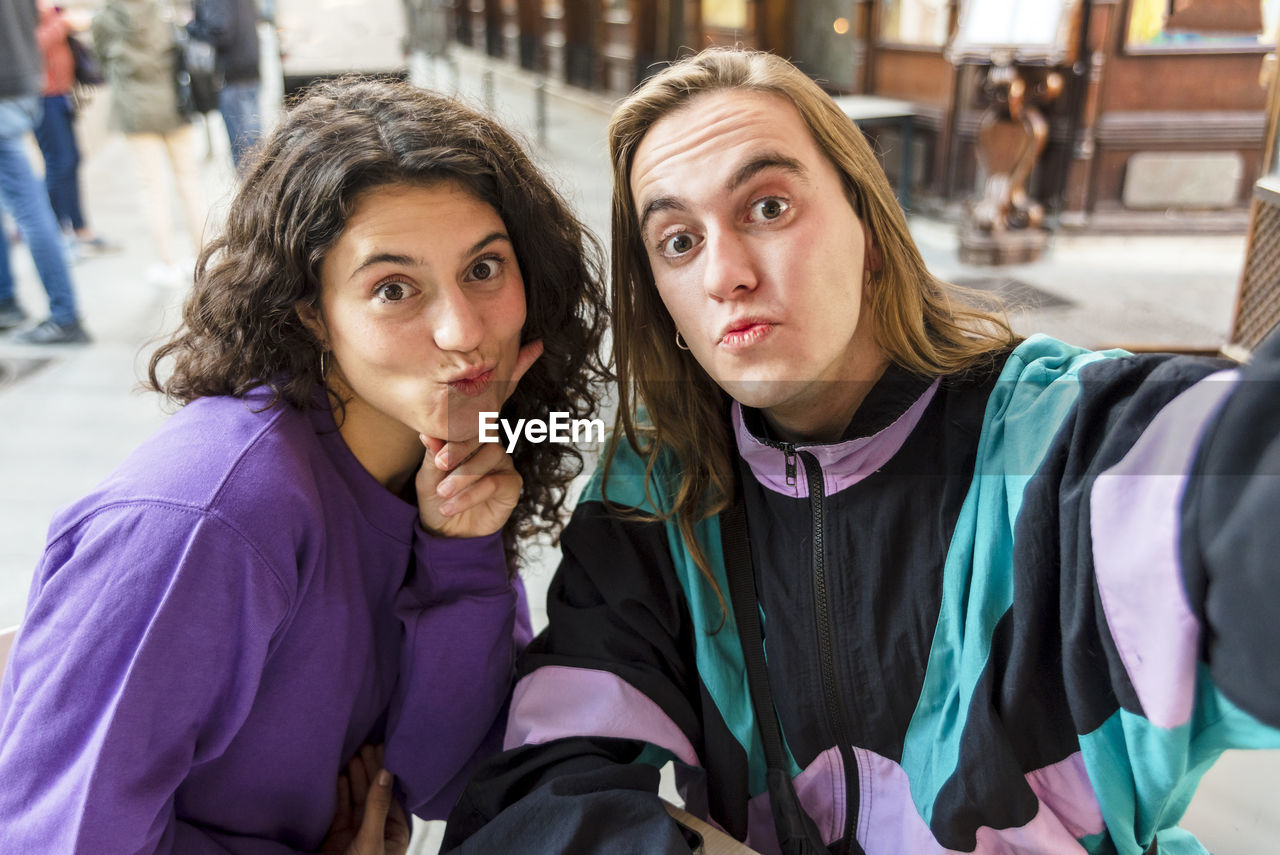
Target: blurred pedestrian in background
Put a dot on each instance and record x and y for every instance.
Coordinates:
(56, 132)
(21, 192)
(428, 25)
(136, 42)
(231, 26)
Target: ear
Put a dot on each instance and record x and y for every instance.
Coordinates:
(872, 260)
(312, 320)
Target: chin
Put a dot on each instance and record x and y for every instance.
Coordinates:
(463, 418)
(758, 394)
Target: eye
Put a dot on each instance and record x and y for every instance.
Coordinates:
(677, 245)
(393, 291)
(769, 208)
(484, 269)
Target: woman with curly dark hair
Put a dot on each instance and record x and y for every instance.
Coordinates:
(307, 576)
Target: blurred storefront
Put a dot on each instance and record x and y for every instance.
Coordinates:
(1159, 125)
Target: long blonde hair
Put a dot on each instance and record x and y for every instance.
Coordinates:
(923, 324)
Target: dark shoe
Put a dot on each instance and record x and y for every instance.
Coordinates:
(11, 315)
(51, 332)
(94, 247)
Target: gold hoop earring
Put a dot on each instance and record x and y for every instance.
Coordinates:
(323, 366)
(680, 341)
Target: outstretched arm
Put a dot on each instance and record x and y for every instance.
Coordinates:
(605, 697)
(1230, 544)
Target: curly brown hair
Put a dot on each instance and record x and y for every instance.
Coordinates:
(241, 328)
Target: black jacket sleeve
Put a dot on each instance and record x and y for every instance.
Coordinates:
(1231, 538)
(616, 679)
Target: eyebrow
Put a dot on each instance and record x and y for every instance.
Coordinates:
(409, 261)
(750, 169)
(486, 240)
(761, 162)
(662, 203)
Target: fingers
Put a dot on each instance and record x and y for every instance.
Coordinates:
(499, 491)
(397, 834)
(364, 799)
(361, 771)
(343, 816)
(528, 355)
(448, 455)
(371, 756)
(485, 460)
(359, 779)
(434, 446)
(370, 838)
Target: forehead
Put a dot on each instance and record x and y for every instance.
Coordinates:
(433, 225)
(437, 197)
(436, 217)
(711, 135)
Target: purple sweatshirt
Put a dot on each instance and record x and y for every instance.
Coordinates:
(221, 624)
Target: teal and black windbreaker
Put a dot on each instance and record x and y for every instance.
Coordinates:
(1016, 611)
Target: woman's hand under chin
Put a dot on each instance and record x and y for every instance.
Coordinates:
(468, 488)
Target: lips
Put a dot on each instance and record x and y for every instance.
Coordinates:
(472, 382)
(745, 331)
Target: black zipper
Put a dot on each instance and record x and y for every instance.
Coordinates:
(832, 697)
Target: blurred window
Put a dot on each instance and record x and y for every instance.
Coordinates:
(725, 14)
(1202, 25)
(915, 22)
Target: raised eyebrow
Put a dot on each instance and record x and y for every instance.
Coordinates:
(486, 240)
(410, 261)
(385, 258)
(762, 162)
(654, 206)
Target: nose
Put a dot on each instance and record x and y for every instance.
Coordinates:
(458, 325)
(730, 268)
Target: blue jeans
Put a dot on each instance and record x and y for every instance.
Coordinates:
(56, 135)
(238, 104)
(25, 197)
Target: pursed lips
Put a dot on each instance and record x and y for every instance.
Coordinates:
(472, 381)
(743, 331)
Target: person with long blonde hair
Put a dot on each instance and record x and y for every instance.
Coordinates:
(876, 573)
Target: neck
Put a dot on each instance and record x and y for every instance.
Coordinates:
(388, 450)
(823, 415)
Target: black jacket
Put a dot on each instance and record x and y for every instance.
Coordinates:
(980, 633)
(232, 27)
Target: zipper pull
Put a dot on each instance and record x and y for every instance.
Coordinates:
(790, 451)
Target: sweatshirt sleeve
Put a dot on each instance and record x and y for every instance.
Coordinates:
(463, 619)
(147, 629)
(605, 697)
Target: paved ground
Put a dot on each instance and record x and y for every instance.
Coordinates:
(75, 412)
